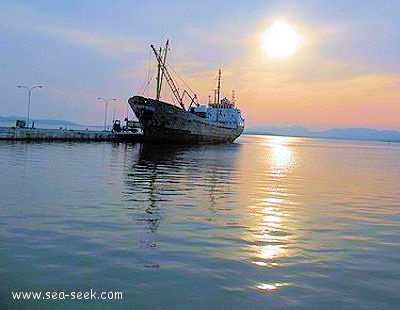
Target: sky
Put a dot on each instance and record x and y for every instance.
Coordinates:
(344, 73)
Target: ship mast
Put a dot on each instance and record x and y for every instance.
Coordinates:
(158, 88)
(219, 86)
(218, 91)
(163, 71)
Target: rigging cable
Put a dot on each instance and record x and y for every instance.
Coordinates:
(178, 75)
(150, 75)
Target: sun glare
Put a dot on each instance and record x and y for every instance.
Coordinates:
(280, 40)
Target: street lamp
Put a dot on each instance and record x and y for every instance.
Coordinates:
(106, 101)
(29, 97)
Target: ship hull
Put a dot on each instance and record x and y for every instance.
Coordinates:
(165, 122)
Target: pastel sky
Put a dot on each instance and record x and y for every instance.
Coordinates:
(346, 72)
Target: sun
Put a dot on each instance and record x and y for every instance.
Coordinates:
(280, 40)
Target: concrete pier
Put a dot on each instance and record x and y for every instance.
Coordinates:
(42, 134)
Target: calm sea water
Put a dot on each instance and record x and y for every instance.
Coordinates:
(268, 222)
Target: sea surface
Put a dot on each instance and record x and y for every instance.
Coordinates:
(265, 223)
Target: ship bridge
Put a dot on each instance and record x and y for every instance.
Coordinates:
(224, 112)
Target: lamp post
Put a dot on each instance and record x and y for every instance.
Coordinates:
(106, 101)
(29, 98)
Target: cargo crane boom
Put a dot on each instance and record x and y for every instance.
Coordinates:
(163, 71)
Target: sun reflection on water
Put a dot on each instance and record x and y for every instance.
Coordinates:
(281, 155)
(270, 287)
(271, 231)
(271, 247)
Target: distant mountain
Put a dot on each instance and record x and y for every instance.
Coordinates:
(13, 118)
(337, 133)
(360, 134)
(279, 131)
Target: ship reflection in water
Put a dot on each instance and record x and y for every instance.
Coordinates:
(176, 186)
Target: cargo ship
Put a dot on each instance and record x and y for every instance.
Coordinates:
(218, 122)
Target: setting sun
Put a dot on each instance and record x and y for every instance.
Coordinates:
(280, 40)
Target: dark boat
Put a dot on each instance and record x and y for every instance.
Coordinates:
(217, 122)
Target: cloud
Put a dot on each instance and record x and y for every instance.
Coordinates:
(108, 45)
(363, 100)
(27, 19)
